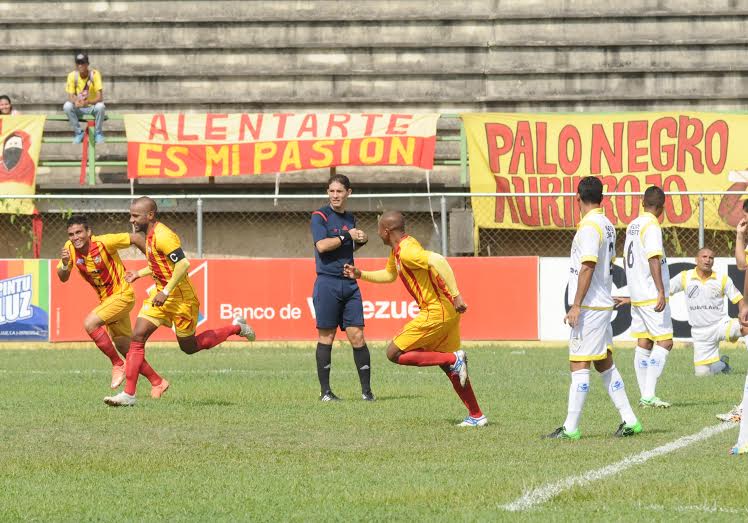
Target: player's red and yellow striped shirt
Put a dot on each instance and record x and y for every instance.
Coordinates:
(159, 243)
(102, 267)
(422, 281)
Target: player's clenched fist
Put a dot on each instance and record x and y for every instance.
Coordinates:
(65, 258)
(459, 304)
(349, 271)
(358, 236)
(131, 276)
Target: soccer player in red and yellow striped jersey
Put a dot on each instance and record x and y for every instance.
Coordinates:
(98, 263)
(172, 302)
(433, 337)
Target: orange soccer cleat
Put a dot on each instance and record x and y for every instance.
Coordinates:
(158, 390)
(118, 375)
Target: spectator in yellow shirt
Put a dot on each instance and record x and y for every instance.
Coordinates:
(85, 96)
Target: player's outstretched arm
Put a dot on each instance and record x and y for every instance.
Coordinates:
(138, 240)
(65, 265)
(445, 272)
(382, 276)
(131, 276)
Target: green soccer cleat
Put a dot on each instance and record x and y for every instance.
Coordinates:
(562, 433)
(625, 430)
(654, 402)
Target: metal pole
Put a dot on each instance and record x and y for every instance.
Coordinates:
(463, 155)
(443, 204)
(199, 227)
(701, 221)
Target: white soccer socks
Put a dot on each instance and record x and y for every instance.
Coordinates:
(655, 366)
(580, 386)
(613, 383)
(641, 364)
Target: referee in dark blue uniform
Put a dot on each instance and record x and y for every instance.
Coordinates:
(337, 300)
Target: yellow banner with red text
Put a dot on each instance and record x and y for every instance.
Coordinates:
(550, 153)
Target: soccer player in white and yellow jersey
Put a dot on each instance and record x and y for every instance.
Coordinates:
(433, 337)
(172, 302)
(741, 447)
(590, 314)
(99, 264)
(647, 276)
(705, 292)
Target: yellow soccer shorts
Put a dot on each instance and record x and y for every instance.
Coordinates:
(177, 311)
(428, 331)
(114, 311)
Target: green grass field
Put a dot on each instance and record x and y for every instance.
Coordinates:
(241, 436)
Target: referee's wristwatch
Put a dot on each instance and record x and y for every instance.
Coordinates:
(345, 235)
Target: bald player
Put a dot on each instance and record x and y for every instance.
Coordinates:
(433, 337)
(705, 291)
(172, 302)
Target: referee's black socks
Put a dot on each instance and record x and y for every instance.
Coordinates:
(363, 364)
(324, 362)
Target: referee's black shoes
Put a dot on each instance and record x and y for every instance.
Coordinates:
(328, 395)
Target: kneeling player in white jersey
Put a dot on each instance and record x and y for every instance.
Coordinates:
(646, 274)
(591, 340)
(705, 292)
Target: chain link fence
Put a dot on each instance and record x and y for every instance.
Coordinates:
(696, 220)
(278, 226)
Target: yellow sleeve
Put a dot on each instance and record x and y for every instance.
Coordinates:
(115, 242)
(445, 272)
(180, 271)
(386, 275)
(70, 87)
(69, 247)
(97, 82)
(414, 256)
(167, 241)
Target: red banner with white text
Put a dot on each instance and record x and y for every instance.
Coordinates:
(275, 295)
(170, 145)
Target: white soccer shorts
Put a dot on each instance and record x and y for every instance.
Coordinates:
(592, 337)
(646, 323)
(706, 340)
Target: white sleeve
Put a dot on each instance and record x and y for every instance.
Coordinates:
(589, 242)
(652, 241)
(676, 283)
(732, 293)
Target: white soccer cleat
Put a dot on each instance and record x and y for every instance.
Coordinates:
(733, 416)
(122, 399)
(474, 422)
(460, 366)
(654, 402)
(246, 331)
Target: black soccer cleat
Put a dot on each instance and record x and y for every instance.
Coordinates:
(328, 395)
(562, 433)
(625, 430)
(368, 396)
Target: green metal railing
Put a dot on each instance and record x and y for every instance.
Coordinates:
(93, 163)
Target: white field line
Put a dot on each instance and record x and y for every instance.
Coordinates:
(540, 495)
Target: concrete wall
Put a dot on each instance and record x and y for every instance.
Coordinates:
(474, 55)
